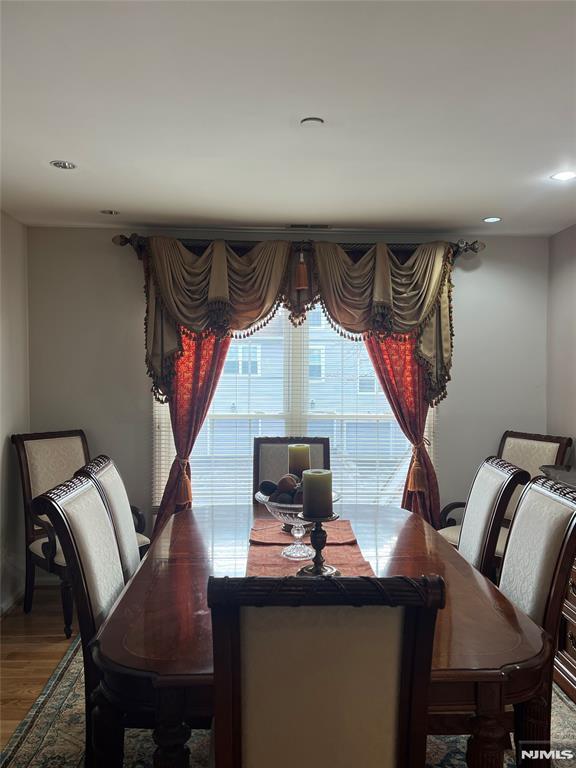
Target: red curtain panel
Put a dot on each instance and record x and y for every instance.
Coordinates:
(403, 379)
(196, 374)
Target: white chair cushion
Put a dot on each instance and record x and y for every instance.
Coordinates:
(534, 544)
(52, 461)
(119, 506)
(502, 539)
(142, 540)
(529, 455)
(349, 659)
(451, 534)
(480, 506)
(36, 548)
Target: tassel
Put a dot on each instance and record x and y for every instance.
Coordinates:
(416, 480)
(301, 281)
(184, 493)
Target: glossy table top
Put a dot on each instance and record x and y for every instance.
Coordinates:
(161, 623)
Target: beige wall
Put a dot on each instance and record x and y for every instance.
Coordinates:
(14, 402)
(87, 354)
(562, 334)
(87, 347)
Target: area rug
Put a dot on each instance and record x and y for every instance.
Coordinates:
(52, 734)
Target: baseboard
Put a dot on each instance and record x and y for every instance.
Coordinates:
(9, 606)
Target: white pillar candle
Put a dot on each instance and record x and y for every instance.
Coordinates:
(317, 487)
(298, 458)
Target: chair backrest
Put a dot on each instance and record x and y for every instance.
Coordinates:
(540, 551)
(270, 460)
(47, 459)
(530, 451)
(342, 663)
(491, 491)
(103, 473)
(83, 525)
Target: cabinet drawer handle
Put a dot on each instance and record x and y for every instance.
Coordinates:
(572, 640)
(572, 586)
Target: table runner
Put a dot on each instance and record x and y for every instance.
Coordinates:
(266, 559)
(270, 532)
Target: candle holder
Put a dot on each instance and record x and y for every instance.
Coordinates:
(318, 538)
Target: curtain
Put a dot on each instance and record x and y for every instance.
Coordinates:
(403, 379)
(196, 373)
(222, 292)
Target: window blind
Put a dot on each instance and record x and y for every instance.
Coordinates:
(293, 381)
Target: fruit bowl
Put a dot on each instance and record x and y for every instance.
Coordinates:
(288, 514)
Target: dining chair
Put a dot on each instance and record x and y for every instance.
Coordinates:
(492, 488)
(47, 459)
(270, 460)
(525, 450)
(342, 663)
(538, 559)
(84, 528)
(102, 471)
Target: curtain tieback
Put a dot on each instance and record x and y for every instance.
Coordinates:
(184, 491)
(417, 480)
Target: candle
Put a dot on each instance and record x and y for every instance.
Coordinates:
(317, 487)
(298, 459)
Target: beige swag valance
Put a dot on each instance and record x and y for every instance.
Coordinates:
(219, 291)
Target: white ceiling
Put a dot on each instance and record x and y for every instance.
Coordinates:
(187, 114)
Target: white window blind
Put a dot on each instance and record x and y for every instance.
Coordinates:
(293, 381)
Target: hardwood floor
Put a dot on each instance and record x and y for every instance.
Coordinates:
(30, 648)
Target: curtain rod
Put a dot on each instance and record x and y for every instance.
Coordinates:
(460, 247)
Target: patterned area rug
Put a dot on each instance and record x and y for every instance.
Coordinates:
(52, 734)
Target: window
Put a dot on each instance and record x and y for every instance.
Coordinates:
(366, 376)
(243, 361)
(293, 381)
(316, 362)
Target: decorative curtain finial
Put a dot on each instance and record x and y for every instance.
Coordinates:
(301, 281)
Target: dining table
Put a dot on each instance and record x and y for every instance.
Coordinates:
(154, 650)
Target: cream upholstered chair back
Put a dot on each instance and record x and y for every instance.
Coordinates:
(270, 459)
(540, 551)
(103, 472)
(83, 525)
(53, 460)
(349, 682)
(530, 452)
(494, 483)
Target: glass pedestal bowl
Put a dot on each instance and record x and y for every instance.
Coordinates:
(288, 514)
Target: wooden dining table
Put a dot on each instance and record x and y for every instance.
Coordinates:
(154, 651)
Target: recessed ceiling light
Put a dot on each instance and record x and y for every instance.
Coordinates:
(110, 212)
(64, 165)
(564, 176)
(312, 121)
(492, 219)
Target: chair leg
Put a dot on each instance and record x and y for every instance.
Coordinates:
(29, 587)
(67, 605)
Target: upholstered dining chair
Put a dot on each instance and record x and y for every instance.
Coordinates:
(84, 528)
(270, 459)
(47, 459)
(347, 660)
(492, 488)
(132, 545)
(538, 559)
(525, 450)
